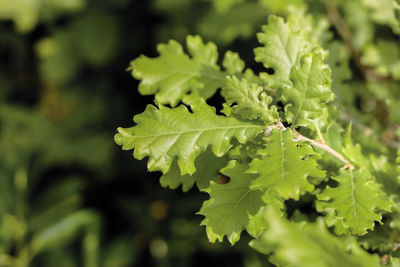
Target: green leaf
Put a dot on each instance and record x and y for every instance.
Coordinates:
(395, 261)
(308, 244)
(279, 7)
(398, 165)
(310, 92)
(241, 21)
(385, 12)
(64, 231)
(332, 220)
(244, 153)
(173, 74)
(385, 174)
(285, 166)
(222, 6)
(165, 134)
(256, 223)
(353, 152)
(232, 62)
(384, 56)
(380, 239)
(282, 49)
(249, 100)
(358, 200)
(228, 209)
(27, 14)
(358, 17)
(338, 60)
(315, 29)
(207, 169)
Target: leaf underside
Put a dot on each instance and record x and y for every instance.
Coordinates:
(207, 169)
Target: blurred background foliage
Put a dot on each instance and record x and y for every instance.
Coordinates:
(68, 195)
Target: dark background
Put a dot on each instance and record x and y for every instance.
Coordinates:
(69, 195)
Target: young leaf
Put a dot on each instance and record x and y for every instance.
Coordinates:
(358, 199)
(232, 62)
(282, 49)
(285, 166)
(251, 102)
(228, 209)
(173, 74)
(207, 169)
(165, 134)
(308, 244)
(310, 92)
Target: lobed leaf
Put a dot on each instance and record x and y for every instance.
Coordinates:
(165, 134)
(207, 169)
(285, 166)
(228, 209)
(232, 62)
(256, 222)
(310, 92)
(308, 244)
(249, 100)
(174, 73)
(358, 200)
(283, 48)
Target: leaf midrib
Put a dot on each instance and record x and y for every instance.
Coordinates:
(256, 102)
(303, 95)
(236, 203)
(353, 200)
(282, 158)
(198, 130)
(195, 73)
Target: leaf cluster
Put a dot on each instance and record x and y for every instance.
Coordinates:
(279, 138)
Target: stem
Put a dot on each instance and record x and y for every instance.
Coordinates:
(324, 147)
(269, 90)
(319, 132)
(313, 142)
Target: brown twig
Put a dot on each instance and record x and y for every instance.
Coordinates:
(326, 148)
(387, 138)
(269, 89)
(368, 73)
